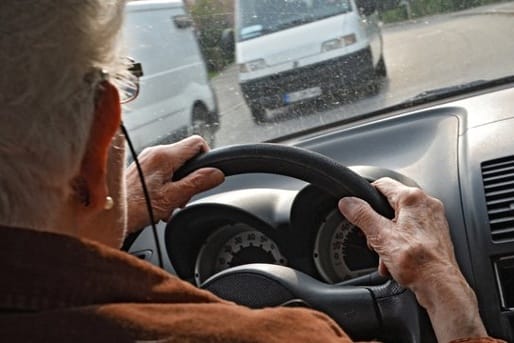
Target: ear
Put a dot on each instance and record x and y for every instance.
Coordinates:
(93, 172)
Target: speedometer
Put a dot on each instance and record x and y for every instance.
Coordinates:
(341, 251)
(234, 245)
(248, 247)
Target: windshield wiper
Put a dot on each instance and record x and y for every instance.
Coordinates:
(420, 99)
(456, 90)
(449, 91)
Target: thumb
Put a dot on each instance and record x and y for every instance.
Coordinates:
(198, 181)
(360, 213)
(382, 269)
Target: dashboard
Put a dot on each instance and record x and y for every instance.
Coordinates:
(461, 152)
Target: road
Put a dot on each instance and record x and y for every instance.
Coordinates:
(420, 55)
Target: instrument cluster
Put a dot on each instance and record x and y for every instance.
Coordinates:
(307, 234)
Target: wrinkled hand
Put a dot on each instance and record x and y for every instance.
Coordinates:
(158, 164)
(414, 245)
(416, 250)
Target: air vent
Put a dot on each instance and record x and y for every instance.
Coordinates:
(498, 177)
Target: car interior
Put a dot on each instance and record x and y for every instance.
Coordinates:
(437, 115)
(271, 235)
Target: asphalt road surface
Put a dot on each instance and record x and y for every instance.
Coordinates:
(420, 55)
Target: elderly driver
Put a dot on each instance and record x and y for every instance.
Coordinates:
(66, 204)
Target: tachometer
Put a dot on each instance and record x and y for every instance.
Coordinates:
(235, 245)
(341, 251)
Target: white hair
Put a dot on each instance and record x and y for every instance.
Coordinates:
(52, 53)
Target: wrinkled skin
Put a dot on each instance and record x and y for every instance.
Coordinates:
(416, 250)
(417, 238)
(158, 164)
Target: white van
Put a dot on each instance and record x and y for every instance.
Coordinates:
(289, 51)
(175, 97)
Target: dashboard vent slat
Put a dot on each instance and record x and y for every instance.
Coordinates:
(497, 165)
(495, 172)
(498, 179)
(499, 213)
(502, 202)
(503, 221)
(506, 185)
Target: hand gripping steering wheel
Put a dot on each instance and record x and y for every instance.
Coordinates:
(387, 311)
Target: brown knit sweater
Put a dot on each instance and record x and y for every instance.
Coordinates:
(61, 289)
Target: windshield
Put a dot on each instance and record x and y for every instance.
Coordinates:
(256, 18)
(247, 71)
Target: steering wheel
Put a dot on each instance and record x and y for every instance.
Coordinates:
(366, 311)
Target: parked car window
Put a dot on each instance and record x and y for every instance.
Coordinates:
(259, 17)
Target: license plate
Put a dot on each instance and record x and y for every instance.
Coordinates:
(302, 95)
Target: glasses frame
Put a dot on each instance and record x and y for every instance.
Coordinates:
(131, 86)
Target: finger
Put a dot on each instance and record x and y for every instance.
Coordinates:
(382, 269)
(198, 181)
(188, 148)
(391, 189)
(183, 150)
(192, 142)
(360, 213)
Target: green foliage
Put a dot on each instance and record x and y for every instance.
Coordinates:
(394, 15)
(421, 8)
(211, 18)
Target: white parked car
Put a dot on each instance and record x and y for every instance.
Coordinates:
(292, 51)
(175, 96)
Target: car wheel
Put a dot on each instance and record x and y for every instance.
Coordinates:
(201, 125)
(258, 113)
(380, 73)
(381, 69)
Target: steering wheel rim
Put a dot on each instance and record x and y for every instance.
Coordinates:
(306, 165)
(387, 302)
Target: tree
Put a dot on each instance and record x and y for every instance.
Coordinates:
(211, 17)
